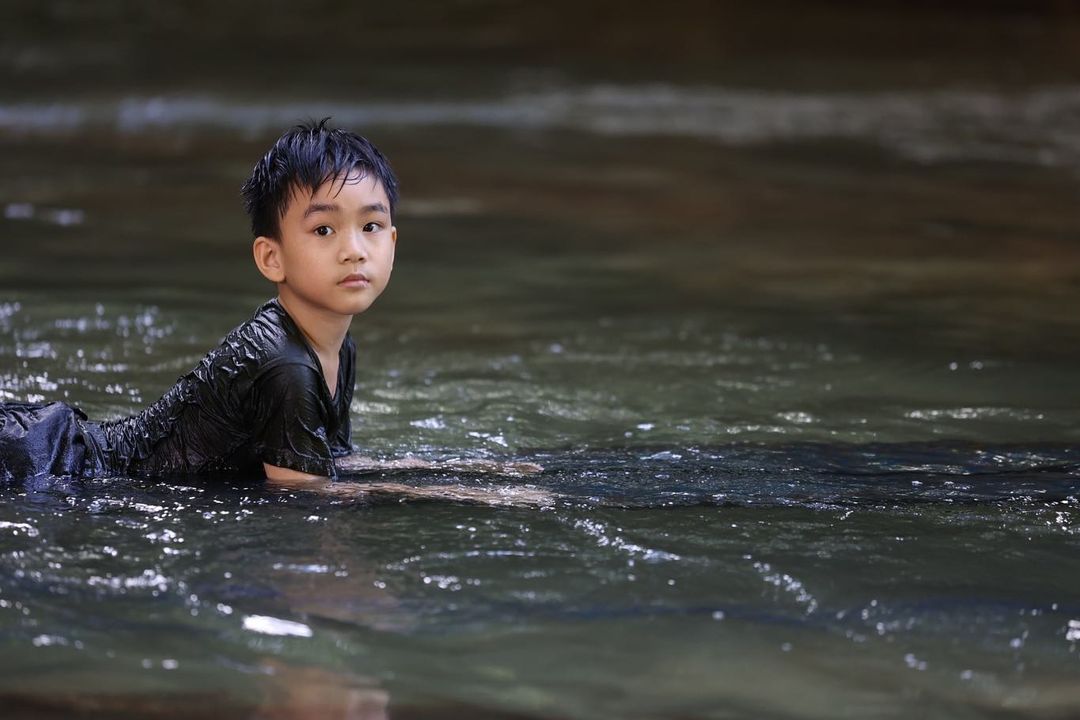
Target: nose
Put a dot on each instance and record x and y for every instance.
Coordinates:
(353, 248)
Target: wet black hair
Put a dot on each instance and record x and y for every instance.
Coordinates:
(305, 157)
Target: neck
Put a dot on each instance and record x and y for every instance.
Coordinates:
(324, 331)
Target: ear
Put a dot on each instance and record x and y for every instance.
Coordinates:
(267, 252)
(393, 233)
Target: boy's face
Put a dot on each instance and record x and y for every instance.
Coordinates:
(335, 250)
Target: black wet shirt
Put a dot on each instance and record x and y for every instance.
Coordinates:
(259, 397)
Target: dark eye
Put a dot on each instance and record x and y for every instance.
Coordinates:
(323, 230)
(372, 227)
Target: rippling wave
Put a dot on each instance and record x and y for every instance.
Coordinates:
(809, 475)
(812, 476)
(1040, 126)
(927, 562)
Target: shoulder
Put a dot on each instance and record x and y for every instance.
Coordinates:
(270, 340)
(288, 380)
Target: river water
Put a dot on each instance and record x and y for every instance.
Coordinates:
(788, 318)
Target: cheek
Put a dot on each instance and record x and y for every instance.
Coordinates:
(386, 257)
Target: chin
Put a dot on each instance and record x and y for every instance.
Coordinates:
(355, 308)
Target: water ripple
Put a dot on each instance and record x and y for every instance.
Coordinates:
(1039, 126)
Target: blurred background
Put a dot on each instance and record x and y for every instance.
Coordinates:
(755, 220)
(759, 220)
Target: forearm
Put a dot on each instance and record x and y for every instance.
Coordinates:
(502, 496)
(284, 479)
(355, 464)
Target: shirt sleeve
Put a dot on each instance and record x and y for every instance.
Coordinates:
(341, 443)
(290, 420)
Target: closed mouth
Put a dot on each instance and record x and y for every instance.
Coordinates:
(354, 278)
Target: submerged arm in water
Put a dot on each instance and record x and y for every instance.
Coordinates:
(353, 464)
(499, 495)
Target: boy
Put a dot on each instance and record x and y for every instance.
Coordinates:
(273, 399)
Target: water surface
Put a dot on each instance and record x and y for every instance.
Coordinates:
(795, 340)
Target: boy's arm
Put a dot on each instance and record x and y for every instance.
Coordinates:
(282, 474)
(512, 496)
(289, 479)
(354, 464)
(288, 420)
(358, 464)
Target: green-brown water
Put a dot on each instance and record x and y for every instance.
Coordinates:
(788, 316)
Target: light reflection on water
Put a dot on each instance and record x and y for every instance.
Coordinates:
(928, 127)
(799, 363)
(796, 570)
(866, 491)
(582, 382)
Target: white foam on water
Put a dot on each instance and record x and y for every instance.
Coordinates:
(267, 625)
(19, 528)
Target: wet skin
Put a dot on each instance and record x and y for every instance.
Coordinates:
(332, 260)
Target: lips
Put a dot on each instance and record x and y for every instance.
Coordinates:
(355, 280)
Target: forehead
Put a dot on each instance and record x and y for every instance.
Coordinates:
(350, 192)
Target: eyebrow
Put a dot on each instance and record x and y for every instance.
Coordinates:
(334, 207)
(320, 207)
